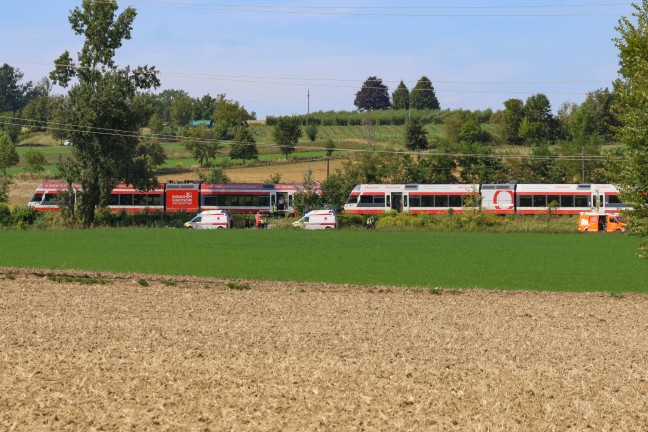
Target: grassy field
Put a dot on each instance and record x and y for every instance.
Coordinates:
(549, 262)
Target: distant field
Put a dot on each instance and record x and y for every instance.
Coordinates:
(551, 262)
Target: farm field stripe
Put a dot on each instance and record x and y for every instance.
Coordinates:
(550, 262)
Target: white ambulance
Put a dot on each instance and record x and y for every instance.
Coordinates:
(209, 219)
(317, 220)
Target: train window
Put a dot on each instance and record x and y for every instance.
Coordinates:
(539, 201)
(246, 200)
(415, 201)
(366, 199)
(113, 200)
(427, 201)
(441, 201)
(263, 200)
(37, 197)
(50, 198)
(126, 199)
(139, 200)
(553, 198)
(353, 199)
(154, 200)
(581, 201)
(405, 201)
(566, 201)
(612, 199)
(388, 201)
(455, 201)
(379, 199)
(210, 200)
(525, 201)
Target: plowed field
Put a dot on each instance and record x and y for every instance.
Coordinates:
(195, 354)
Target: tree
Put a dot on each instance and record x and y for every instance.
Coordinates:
(155, 153)
(373, 95)
(100, 100)
(415, 135)
(311, 131)
(228, 117)
(202, 145)
(286, 133)
(541, 123)
(453, 123)
(422, 95)
(509, 126)
(8, 154)
(632, 109)
(216, 175)
(308, 198)
(181, 109)
(13, 94)
(35, 160)
(244, 146)
(401, 97)
(37, 113)
(471, 131)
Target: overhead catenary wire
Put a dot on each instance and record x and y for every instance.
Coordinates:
(17, 121)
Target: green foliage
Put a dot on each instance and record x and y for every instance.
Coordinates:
(155, 153)
(35, 161)
(244, 146)
(415, 135)
(85, 280)
(632, 111)
(510, 121)
(311, 131)
(401, 97)
(423, 96)
(14, 95)
(287, 133)
(373, 95)
(238, 286)
(273, 179)
(228, 117)
(216, 175)
(8, 154)
(99, 100)
(308, 198)
(142, 282)
(202, 144)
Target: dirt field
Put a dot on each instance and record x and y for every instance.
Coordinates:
(201, 356)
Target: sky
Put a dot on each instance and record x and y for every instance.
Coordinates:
(283, 58)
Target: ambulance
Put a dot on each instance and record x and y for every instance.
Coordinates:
(317, 220)
(604, 222)
(209, 219)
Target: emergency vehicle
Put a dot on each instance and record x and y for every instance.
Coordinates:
(317, 220)
(209, 219)
(596, 221)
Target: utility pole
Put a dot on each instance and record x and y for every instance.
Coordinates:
(308, 96)
(582, 164)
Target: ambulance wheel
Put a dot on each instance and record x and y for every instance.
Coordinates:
(327, 228)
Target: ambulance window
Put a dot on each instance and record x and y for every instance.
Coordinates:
(197, 219)
(306, 218)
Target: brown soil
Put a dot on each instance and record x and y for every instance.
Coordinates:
(290, 356)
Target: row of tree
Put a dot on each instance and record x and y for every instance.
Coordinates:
(374, 95)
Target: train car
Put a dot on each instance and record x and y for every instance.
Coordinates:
(502, 199)
(250, 198)
(411, 198)
(188, 197)
(46, 196)
(127, 198)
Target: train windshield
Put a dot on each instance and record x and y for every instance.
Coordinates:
(37, 198)
(353, 199)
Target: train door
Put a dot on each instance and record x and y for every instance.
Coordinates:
(397, 201)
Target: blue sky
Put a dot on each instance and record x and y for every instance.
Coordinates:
(268, 58)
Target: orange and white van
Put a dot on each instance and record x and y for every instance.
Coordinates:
(605, 222)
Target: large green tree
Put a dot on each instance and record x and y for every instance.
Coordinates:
(401, 97)
(373, 95)
(8, 154)
(244, 146)
(104, 129)
(286, 133)
(13, 94)
(632, 91)
(415, 135)
(510, 120)
(423, 96)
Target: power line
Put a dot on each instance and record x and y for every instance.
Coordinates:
(323, 11)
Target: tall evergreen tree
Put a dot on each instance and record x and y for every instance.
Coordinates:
(99, 101)
(415, 135)
(423, 96)
(401, 97)
(373, 95)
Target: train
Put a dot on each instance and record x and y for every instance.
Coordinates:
(190, 196)
(501, 199)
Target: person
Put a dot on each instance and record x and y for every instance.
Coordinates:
(258, 220)
(370, 222)
(281, 204)
(246, 224)
(231, 222)
(264, 222)
(274, 210)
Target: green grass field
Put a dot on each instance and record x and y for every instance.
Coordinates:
(555, 262)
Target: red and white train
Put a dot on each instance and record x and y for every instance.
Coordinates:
(507, 198)
(186, 197)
